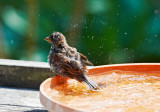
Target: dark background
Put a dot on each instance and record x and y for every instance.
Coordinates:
(106, 31)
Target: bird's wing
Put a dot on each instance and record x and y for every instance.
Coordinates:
(71, 66)
(84, 59)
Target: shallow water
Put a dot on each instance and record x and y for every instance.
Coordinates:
(121, 91)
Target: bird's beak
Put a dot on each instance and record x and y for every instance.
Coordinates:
(47, 39)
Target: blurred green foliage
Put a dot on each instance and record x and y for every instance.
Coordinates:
(106, 31)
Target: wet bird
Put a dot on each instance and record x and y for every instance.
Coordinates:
(67, 62)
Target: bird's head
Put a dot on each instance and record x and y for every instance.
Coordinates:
(56, 39)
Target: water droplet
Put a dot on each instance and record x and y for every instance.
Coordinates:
(12, 42)
(125, 33)
(109, 57)
(149, 40)
(75, 25)
(156, 35)
(118, 5)
(92, 37)
(156, 11)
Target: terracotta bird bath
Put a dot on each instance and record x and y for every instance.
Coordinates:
(137, 86)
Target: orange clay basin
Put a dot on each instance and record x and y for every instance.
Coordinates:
(125, 88)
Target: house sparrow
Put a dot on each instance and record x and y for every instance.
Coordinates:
(67, 62)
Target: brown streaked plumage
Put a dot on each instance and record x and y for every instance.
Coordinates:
(67, 62)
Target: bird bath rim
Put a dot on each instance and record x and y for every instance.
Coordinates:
(54, 106)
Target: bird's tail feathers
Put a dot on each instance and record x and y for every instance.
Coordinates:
(90, 83)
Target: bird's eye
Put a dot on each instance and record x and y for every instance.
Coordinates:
(51, 36)
(56, 36)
